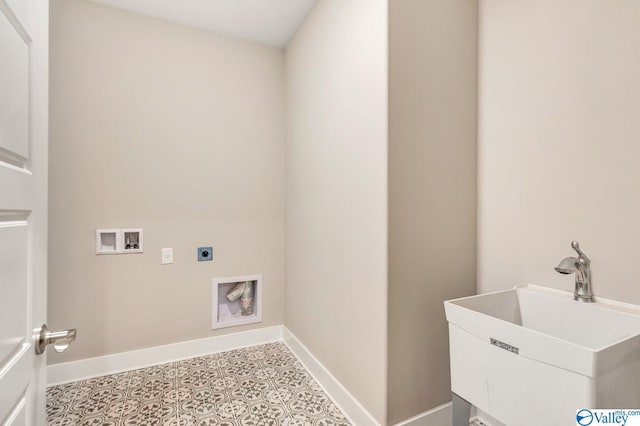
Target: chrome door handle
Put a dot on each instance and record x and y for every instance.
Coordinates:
(59, 339)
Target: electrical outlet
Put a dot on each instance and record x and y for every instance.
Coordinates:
(205, 254)
(167, 256)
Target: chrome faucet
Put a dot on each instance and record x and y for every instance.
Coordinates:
(580, 267)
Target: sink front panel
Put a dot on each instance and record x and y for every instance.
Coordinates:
(531, 344)
(513, 389)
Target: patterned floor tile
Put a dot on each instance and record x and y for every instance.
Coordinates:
(261, 385)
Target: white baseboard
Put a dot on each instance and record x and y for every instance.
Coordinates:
(350, 406)
(110, 364)
(442, 416)
(438, 416)
(487, 419)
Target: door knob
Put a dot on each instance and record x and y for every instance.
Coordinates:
(59, 339)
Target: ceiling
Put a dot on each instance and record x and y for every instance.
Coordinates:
(270, 22)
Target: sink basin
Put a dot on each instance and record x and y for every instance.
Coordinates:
(532, 355)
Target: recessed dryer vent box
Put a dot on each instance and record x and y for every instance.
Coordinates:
(236, 301)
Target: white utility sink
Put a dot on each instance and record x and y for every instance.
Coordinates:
(532, 355)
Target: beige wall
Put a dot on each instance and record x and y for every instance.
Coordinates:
(336, 232)
(174, 130)
(432, 192)
(559, 150)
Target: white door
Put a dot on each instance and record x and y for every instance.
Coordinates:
(23, 207)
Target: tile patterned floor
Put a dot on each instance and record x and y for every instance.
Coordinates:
(257, 386)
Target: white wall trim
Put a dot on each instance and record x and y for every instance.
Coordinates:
(438, 416)
(349, 405)
(125, 361)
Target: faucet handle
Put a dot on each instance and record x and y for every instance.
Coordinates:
(583, 257)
